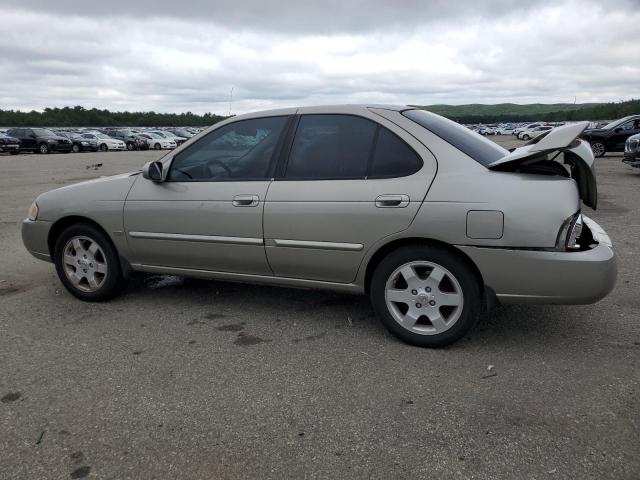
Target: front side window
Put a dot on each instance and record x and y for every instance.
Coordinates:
(331, 147)
(241, 150)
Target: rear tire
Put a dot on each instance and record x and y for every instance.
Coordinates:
(426, 295)
(598, 149)
(87, 263)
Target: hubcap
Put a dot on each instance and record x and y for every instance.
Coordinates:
(424, 297)
(598, 149)
(85, 264)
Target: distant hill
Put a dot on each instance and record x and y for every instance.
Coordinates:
(512, 112)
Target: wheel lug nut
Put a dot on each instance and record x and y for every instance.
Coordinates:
(414, 292)
(432, 303)
(418, 305)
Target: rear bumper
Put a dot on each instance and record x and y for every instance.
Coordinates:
(553, 277)
(34, 236)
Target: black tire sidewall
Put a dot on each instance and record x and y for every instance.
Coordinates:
(471, 290)
(114, 281)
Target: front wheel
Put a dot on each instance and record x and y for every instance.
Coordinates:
(75, 148)
(131, 146)
(44, 148)
(598, 149)
(526, 137)
(87, 263)
(103, 147)
(426, 295)
(157, 146)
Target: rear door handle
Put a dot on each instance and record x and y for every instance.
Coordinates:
(246, 201)
(392, 201)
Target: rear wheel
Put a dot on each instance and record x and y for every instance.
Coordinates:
(87, 263)
(426, 295)
(598, 149)
(43, 148)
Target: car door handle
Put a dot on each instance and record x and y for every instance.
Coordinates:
(392, 201)
(246, 200)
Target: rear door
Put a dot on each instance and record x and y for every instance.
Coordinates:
(346, 182)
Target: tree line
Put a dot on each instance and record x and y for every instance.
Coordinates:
(80, 117)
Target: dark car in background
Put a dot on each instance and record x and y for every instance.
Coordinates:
(80, 144)
(40, 140)
(612, 137)
(9, 144)
(131, 138)
(632, 151)
(181, 132)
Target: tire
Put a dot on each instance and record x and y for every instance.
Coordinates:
(14, 152)
(598, 149)
(131, 146)
(87, 263)
(454, 303)
(43, 148)
(526, 137)
(157, 146)
(103, 147)
(75, 148)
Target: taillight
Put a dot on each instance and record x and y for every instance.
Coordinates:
(570, 232)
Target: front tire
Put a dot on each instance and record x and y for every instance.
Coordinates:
(598, 149)
(75, 148)
(87, 263)
(43, 148)
(526, 137)
(103, 147)
(157, 146)
(426, 295)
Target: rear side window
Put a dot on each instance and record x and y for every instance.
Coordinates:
(347, 147)
(331, 147)
(470, 143)
(393, 157)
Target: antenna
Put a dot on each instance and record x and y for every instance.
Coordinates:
(230, 100)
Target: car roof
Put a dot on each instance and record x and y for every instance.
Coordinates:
(343, 109)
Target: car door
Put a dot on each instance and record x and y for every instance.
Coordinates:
(207, 214)
(346, 183)
(27, 139)
(624, 131)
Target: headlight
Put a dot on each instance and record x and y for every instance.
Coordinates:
(33, 212)
(51, 140)
(84, 143)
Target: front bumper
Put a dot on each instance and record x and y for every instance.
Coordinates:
(35, 234)
(11, 147)
(632, 159)
(553, 277)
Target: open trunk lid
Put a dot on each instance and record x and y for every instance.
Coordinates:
(536, 157)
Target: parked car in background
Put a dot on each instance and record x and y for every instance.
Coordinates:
(158, 142)
(632, 151)
(534, 132)
(9, 144)
(105, 142)
(522, 128)
(181, 132)
(172, 136)
(131, 138)
(484, 130)
(430, 220)
(79, 143)
(505, 130)
(40, 140)
(612, 137)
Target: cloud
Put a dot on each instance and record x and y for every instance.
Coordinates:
(165, 56)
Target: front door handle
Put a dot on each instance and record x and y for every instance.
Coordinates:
(392, 201)
(246, 201)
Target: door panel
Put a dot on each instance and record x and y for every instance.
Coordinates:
(196, 225)
(320, 229)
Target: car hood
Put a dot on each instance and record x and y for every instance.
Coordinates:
(85, 198)
(535, 155)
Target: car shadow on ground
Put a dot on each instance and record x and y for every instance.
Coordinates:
(544, 325)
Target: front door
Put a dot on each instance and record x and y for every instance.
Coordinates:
(623, 132)
(207, 214)
(347, 182)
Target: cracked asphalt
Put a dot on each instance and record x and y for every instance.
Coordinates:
(194, 379)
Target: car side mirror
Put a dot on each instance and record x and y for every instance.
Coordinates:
(152, 171)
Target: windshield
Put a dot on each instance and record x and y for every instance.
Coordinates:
(43, 132)
(475, 146)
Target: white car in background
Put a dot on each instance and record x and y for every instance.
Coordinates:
(170, 136)
(522, 128)
(158, 142)
(105, 142)
(534, 132)
(505, 130)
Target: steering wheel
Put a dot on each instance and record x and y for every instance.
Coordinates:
(218, 162)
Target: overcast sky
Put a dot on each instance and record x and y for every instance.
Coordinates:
(186, 55)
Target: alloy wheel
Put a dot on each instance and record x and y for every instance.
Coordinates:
(84, 263)
(424, 297)
(598, 149)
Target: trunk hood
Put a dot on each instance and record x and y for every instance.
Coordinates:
(536, 157)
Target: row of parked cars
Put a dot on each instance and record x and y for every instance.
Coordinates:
(614, 136)
(45, 140)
